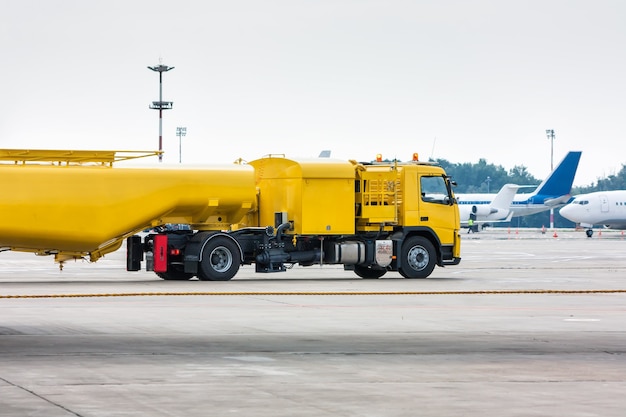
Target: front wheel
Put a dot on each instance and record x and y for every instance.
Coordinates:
(220, 260)
(418, 258)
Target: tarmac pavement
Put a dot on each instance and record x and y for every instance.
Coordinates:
(529, 324)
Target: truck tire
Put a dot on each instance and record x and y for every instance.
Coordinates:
(174, 275)
(418, 258)
(366, 272)
(220, 260)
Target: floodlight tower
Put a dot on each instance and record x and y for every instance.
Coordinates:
(161, 105)
(180, 132)
(550, 135)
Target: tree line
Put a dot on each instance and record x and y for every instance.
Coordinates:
(483, 177)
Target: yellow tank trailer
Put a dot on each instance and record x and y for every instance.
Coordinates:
(74, 203)
(273, 212)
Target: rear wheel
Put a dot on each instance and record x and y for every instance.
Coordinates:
(418, 258)
(366, 272)
(174, 274)
(220, 260)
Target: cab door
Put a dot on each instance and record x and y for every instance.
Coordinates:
(437, 207)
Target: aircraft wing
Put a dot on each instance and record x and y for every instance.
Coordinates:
(479, 222)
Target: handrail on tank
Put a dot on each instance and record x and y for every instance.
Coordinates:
(70, 157)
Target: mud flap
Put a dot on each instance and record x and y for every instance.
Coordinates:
(160, 253)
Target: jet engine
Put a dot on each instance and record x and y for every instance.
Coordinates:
(489, 211)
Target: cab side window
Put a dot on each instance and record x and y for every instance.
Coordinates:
(434, 190)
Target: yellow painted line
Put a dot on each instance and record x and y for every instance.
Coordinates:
(313, 293)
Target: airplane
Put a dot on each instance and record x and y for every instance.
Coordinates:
(553, 192)
(607, 208)
(498, 210)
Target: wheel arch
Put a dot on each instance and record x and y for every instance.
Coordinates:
(407, 232)
(213, 236)
(195, 248)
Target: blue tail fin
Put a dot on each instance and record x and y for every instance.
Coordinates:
(560, 181)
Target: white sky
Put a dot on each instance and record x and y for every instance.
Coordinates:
(459, 80)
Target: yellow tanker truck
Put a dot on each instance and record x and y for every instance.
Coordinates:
(273, 212)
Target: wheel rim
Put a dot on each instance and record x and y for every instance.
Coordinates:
(221, 259)
(418, 258)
